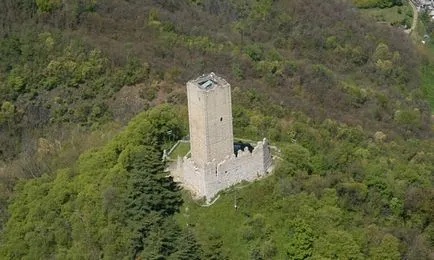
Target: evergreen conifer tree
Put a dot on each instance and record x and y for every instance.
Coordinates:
(152, 196)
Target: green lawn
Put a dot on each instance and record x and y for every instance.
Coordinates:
(427, 83)
(427, 75)
(394, 15)
(427, 68)
(222, 223)
(181, 150)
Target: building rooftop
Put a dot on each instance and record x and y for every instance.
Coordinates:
(208, 81)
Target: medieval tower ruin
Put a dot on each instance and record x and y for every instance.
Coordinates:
(210, 119)
(213, 164)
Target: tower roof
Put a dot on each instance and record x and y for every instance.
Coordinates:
(208, 81)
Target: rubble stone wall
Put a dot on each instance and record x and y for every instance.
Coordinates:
(214, 177)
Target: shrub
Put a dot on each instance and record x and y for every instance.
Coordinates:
(48, 5)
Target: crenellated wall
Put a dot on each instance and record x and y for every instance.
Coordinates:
(217, 176)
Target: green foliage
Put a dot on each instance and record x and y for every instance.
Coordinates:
(188, 247)
(395, 13)
(195, 2)
(150, 190)
(426, 85)
(408, 117)
(328, 190)
(83, 6)
(73, 70)
(74, 78)
(376, 3)
(336, 194)
(337, 245)
(236, 71)
(260, 9)
(7, 111)
(387, 249)
(151, 196)
(15, 81)
(48, 5)
(114, 202)
(135, 71)
(301, 241)
(254, 52)
(352, 194)
(295, 157)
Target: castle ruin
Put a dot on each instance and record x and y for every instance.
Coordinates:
(212, 164)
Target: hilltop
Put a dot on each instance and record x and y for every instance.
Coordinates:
(337, 92)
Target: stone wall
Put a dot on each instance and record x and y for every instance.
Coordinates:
(217, 176)
(193, 177)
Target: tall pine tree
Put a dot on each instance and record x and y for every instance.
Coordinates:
(152, 197)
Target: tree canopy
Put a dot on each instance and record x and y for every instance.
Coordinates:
(83, 129)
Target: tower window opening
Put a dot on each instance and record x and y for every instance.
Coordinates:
(207, 84)
(221, 119)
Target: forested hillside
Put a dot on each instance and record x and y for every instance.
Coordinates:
(113, 203)
(337, 92)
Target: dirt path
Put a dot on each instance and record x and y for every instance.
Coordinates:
(415, 17)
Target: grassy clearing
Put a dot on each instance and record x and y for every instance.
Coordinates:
(426, 69)
(427, 83)
(223, 222)
(395, 15)
(181, 150)
(420, 31)
(427, 74)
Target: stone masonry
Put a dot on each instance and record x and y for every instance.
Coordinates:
(213, 165)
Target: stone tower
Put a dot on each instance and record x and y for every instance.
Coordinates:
(213, 165)
(210, 119)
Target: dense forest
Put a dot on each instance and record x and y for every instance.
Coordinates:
(90, 89)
